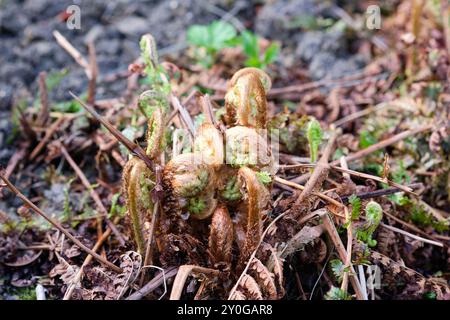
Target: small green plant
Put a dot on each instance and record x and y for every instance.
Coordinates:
(337, 294)
(366, 139)
(338, 269)
(116, 208)
(25, 293)
(54, 78)
(255, 58)
(314, 134)
(356, 206)
(210, 39)
(423, 218)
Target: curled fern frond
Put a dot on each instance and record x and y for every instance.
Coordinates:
(137, 184)
(245, 101)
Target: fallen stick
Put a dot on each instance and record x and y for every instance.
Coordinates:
(320, 171)
(94, 72)
(153, 284)
(131, 146)
(43, 94)
(182, 275)
(329, 225)
(48, 134)
(405, 233)
(300, 187)
(76, 55)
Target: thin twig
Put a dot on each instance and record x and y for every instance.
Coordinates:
(148, 259)
(409, 226)
(329, 225)
(377, 193)
(375, 147)
(300, 187)
(184, 115)
(182, 275)
(372, 177)
(93, 71)
(57, 225)
(66, 45)
(131, 146)
(320, 171)
(48, 134)
(405, 233)
(43, 94)
(382, 192)
(383, 144)
(153, 284)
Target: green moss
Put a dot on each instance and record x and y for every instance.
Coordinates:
(26, 293)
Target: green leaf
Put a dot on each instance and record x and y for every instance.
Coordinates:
(314, 135)
(356, 206)
(198, 35)
(219, 33)
(366, 139)
(337, 294)
(250, 44)
(253, 62)
(430, 295)
(271, 53)
(54, 78)
(338, 269)
(71, 106)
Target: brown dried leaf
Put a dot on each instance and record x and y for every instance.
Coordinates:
(264, 278)
(297, 242)
(238, 295)
(250, 286)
